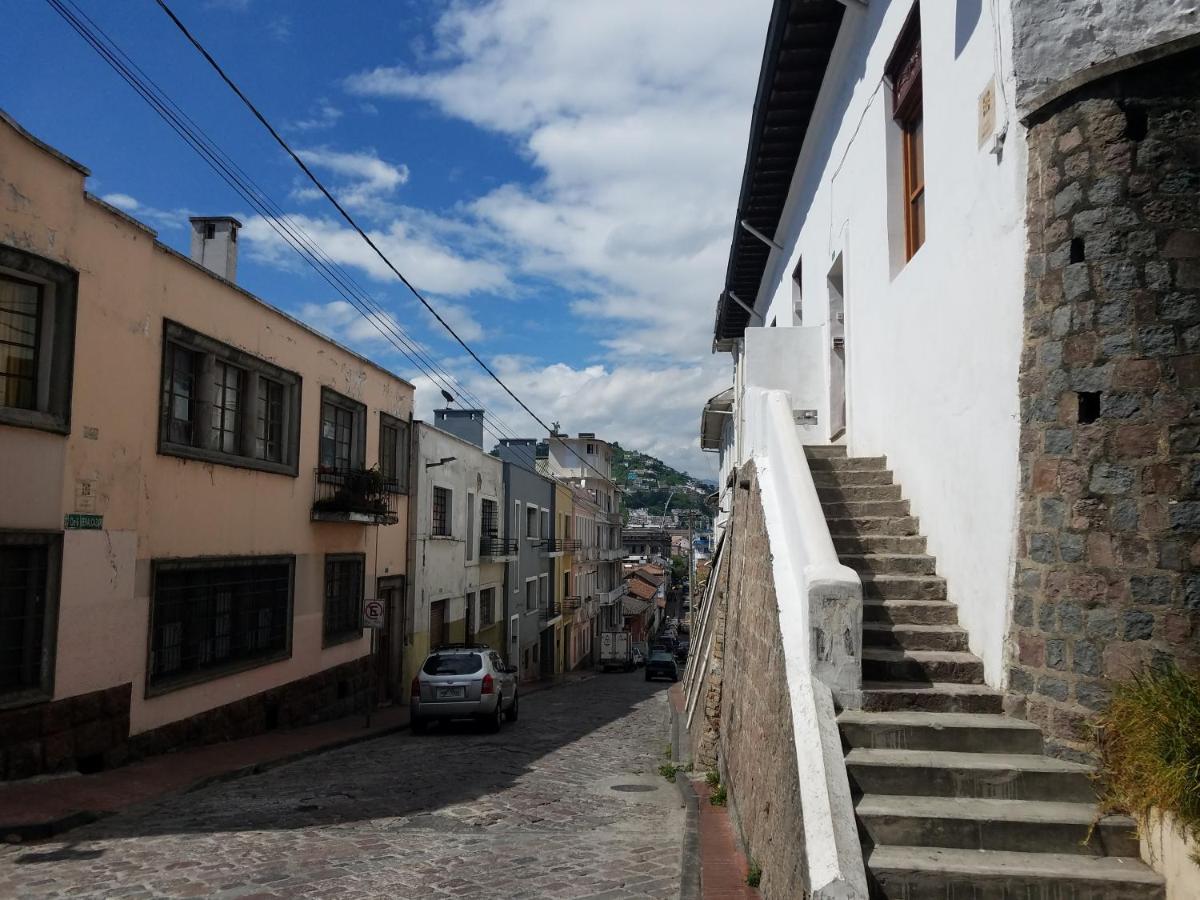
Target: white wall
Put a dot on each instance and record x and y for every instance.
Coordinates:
(1054, 39)
(932, 345)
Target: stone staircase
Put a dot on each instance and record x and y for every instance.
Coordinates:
(953, 798)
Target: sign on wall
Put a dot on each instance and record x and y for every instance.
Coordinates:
(373, 613)
(83, 521)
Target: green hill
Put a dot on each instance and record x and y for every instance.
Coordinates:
(648, 482)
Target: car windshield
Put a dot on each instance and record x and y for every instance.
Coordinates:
(453, 664)
(661, 656)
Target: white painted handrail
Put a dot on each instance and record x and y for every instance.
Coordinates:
(820, 622)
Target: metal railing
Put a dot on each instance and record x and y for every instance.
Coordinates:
(572, 603)
(559, 545)
(548, 611)
(354, 495)
(494, 546)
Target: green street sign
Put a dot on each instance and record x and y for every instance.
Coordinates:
(83, 521)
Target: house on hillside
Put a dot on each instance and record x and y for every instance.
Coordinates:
(198, 492)
(962, 306)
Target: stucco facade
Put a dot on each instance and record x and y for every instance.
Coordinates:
(157, 502)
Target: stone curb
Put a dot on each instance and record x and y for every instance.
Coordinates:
(690, 887)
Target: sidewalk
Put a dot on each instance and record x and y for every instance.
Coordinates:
(43, 807)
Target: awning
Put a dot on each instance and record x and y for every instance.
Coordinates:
(712, 420)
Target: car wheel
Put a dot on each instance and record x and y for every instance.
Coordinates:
(418, 724)
(512, 710)
(497, 719)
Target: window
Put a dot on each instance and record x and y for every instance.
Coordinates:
(489, 524)
(210, 232)
(227, 389)
(223, 405)
(341, 446)
(531, 521)
(545, 524)
(343, 597)
(453, 664)
(531, 594)
(904, 71)
(37, 340)
(393, 452)
(798, 293)
(470, 535)
(591, 450)
(29, 565)
(441, 512)
(487, 607)
(209, 617)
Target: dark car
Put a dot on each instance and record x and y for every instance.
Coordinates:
(681, 650)
(661, 665)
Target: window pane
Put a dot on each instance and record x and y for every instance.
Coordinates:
(388, 439)
(226, 393)
(20, 326)
(180, 390)
(343, 597)
(268, 436)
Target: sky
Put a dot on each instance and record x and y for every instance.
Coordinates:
(559, 178)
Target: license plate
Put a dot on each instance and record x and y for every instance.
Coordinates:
(451, 693)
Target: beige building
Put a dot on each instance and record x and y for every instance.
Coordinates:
(197, 491)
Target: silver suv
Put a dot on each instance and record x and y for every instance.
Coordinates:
(464, 681)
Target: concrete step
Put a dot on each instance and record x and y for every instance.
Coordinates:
(915, 873)
(1023, 826)
(854, 509)
(921, 665)
(948, 773)
(853, 464)
(923, 696)
(962, 732)
(890, 563)
(848, 492)
(825, 451)
(909, 612)
(845, 526)
(903, 587)
(879, 543)
(852, 477)
(914, 637)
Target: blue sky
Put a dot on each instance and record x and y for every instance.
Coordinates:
(559, 177)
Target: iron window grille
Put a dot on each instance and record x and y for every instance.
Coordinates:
(23, 584)
(441, 512)
(487, 607)
(343, 598)
(20, 337)
(211, 617)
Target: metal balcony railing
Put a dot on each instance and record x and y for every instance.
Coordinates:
(548, 611)
(572, 603)
(494, 546)
(354, 495)
(559, 545)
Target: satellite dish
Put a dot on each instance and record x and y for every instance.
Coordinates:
(446, 394)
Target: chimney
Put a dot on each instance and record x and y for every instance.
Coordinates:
(214, 244)
(464, 423)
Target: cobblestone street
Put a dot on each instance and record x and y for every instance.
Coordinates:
(565, 803)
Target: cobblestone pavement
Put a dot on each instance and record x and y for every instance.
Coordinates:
(530, 812)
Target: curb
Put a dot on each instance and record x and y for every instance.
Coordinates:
(35, 831)
(689, 862)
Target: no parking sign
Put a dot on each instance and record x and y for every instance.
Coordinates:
(373, 613)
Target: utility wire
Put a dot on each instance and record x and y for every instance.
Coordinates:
(353, 224)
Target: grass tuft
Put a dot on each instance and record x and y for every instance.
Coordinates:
(718, 797)
(712, 777)
(1149, 740)
(668, 770)
(754, 875)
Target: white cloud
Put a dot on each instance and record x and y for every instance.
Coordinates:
(159, 219)
(428, 263)
(637, 115)
(365, 183)
(324, 115)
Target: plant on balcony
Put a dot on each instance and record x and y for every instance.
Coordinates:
(356, 491)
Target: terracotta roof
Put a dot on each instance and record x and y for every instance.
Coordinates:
(640, 589)
(631, 607)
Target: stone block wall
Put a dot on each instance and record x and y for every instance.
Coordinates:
(757, 756)
(1109, 543)
(705, 732)
(86, 731)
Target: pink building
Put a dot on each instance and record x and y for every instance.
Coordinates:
(197, 491)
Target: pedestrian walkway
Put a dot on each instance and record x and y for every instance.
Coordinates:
(42, 807)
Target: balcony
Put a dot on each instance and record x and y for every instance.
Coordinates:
(612, 553)
(557, 546)
(570, 604)
(548, 612)
(494, 549)
(354, 495)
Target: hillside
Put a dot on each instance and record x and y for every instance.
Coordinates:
(648, 483)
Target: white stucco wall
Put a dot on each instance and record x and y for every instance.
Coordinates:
(933, 345)
(1054, 39)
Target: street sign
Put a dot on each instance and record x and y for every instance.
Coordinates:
(81, 520)
(373, 613)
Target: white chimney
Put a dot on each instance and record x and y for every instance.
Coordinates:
(214, 244)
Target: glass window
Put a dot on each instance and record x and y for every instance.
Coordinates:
(227, 391)
(268, 436)
(531, 521)
(441, 512)
(337, 436)
(180, 388)
(213, 615)
(22, 616)
(20, 334)
(453, 664)
(393, 452)
(343, 597)
(487, 607)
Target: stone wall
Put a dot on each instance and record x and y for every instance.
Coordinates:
(1106, 580)
(757, 758)
(705, 731)
(84, 732)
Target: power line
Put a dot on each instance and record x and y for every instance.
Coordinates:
(353, 224)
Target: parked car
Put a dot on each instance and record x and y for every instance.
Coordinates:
(464, 681)
(681, 650)
(639, 658)
(643, 648)
(661, 664)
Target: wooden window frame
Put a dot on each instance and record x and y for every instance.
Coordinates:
(904, 70)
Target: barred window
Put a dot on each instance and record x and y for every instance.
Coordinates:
(489, 520)
(441, 512)
(227, 389)
(20, 335)
(210, 616)
(22, 616)
(268, 437)
(487, 607)
(343, 597)
(342, 424)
